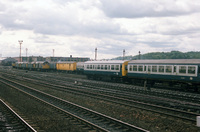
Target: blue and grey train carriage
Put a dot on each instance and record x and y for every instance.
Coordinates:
(80, 67)
(174, 71)
(114, 70)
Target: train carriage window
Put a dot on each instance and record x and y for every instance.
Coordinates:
(140, 68)
(149, 68)
(102, 67)
(145, 68)
(154, 68)
(191, 70)
(98, 67)
(112, 67)
(168, 69)
(95, 66)
(134, 68)
(117, 67)
(130, 68)
(90, 66)
(161, 69)
(182, 69)
(106, 67)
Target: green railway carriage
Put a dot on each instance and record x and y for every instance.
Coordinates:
(184, 71)
(114, 70)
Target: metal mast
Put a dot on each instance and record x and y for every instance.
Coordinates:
(139, 55)
(123, 54)
(95, 53)
(26, 55)
(20, 43)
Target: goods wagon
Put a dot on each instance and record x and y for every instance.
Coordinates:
(66, 66)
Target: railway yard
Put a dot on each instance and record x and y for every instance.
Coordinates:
(55, 101)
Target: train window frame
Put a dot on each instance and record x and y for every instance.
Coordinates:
(145, 68)
(154, 68)
(130, 68)
(90, 66)
(161, 69)
(109, 67)
(167, 69)
(106, 67)
(149, 68)
(112, 67)
(182, 69)
(135, 68)
(102, 67)
(194, 71)
(140, 68)
(174, 69)
(117, 67)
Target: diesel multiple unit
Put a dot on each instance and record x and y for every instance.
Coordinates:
(184, 72)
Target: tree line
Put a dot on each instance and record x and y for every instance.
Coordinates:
(163, 55)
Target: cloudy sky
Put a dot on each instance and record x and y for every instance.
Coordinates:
(77, 27)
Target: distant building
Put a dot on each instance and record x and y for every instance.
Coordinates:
(2, 58)
(76, 59)
(51, 59)
(30, 58)
(8, 61)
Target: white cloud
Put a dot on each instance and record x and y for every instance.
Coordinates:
(77, 27)
(146, 8)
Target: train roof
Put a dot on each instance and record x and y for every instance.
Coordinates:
(167, 61)
(41, 62)
(66, 62)
(106, 62)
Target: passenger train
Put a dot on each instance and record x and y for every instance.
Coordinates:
(183, 72)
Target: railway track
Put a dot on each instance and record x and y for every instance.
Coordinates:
(10, 121)
(126, 98)
(93, 120)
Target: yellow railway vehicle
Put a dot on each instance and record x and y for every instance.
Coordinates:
(42, 66)
(14, 65)
(66, 66)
